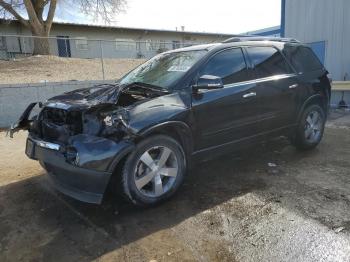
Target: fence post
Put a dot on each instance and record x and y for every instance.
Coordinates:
(102, 64)
(66, 46)
(23, 42)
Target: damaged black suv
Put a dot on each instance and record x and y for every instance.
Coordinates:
(145, 130)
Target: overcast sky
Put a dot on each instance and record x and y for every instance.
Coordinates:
(224, 16)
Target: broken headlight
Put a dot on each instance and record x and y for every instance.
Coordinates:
(72, 155)
(116, 124)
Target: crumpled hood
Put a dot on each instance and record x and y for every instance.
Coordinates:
(86, 97)
(102, 94)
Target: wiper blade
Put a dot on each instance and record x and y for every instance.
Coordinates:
(148, 86)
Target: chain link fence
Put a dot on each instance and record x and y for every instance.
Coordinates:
(13, 46)
(105, 54)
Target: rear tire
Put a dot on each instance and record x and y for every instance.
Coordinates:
(154, 171)
(310, 129)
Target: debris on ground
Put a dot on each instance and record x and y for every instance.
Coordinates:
(339, 229)
(271, 164)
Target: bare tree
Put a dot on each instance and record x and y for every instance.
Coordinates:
(37, 15)
(102, 9)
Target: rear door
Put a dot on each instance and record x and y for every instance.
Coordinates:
(277, 85)
(311, 72)
(230, 113)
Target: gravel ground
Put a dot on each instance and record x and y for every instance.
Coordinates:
(236, 208)
(53, 69)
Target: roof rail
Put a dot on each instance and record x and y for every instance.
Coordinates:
(259, 38)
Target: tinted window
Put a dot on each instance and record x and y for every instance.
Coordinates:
(302, 58)
(268, 61)
(229, 65)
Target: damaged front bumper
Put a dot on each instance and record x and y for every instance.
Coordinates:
(81, 169)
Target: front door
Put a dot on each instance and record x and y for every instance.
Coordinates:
(63, 46)
(229, 114)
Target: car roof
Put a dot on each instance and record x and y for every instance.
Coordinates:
(195, 48)
(241, 41)
(260, 38)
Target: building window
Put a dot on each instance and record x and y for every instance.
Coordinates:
(152, 45)
(125, 44)
(162, 44)
(156, 45)
(81, 43)
(176, 44)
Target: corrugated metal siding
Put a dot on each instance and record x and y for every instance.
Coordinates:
(323, 20)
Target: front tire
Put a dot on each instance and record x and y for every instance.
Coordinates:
(153, 171)
(310, 129)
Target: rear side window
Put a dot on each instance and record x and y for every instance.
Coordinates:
(302, 58)
(268, 61)
(230, 65)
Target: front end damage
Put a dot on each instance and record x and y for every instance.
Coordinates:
(80, 136)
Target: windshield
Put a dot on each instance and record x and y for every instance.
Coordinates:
(165, 69)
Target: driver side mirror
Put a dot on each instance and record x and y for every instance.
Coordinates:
(208, 82)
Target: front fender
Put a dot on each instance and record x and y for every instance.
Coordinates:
(182, 130)
(173, 124)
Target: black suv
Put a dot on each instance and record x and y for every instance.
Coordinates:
(146, 129)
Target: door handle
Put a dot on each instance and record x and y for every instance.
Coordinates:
(293, 86)
(251, 94)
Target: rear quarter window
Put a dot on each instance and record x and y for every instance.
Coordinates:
(302, 58)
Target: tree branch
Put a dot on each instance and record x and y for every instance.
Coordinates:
(39, 6)
(9, 8)
(50, 15)
(33, 18)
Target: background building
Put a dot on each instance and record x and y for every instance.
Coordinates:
(325, 26)
(79, 40)
(274, 31)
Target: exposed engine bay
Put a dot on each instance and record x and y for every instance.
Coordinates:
(99, 111)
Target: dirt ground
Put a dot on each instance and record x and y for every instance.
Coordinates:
(37, 69)
(235, 208)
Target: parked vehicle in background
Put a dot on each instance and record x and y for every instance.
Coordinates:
(180, 106)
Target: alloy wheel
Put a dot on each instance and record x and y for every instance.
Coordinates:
(313, 127)
(156, 171)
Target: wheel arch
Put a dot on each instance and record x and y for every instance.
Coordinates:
(177, 130)
(316, 99)
(120, 157)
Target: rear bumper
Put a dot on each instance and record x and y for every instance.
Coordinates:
(87, 182)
